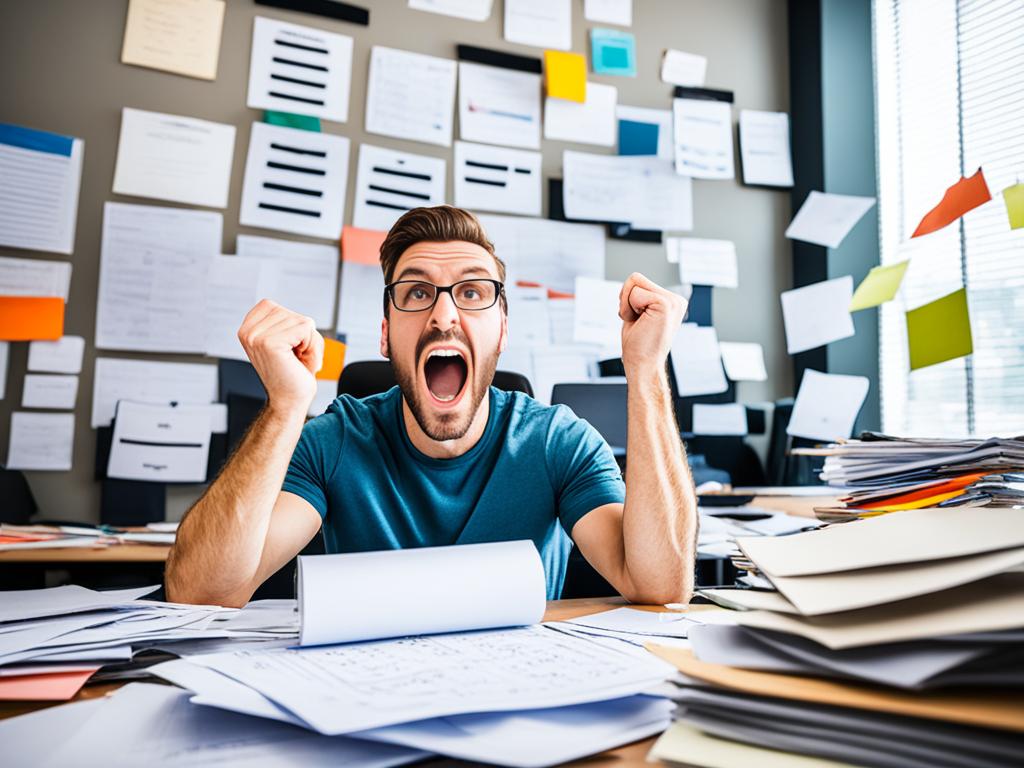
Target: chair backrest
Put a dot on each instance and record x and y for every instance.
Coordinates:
(602, 404)
(371, 377)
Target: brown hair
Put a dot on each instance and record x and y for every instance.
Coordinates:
(435, 224)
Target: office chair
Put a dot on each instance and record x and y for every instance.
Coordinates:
(371, 377)
(603, 404)
(783, 468)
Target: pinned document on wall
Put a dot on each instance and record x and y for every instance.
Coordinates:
(390, 182)
(719, 419)
(41, 441)
(612, 52)
(697, 361)
(826, 219)
(34, 277)
(1014, 199)
(472, 10)
(31, 318)
(295, 181)
(160, 443)
(966, 195)
(43, 390)
(764, 148)
(596, 317)
(827, 405)
(879, 286)
(817, 314)
(684, 69)
(299, 69)
(565, 76)
(656, 121)
(704, 262)
(609, 11)
(592, 122)
(939, 331)
(489, 178)
(361, 310)
(362, 246)
(702, 129)
(234, 285)
(148, 381)
(171, 157)
(61, 356)
(743, 361)
(182, 37)
(499, 98)
(410, 96)
(304, 278)
(42, 173)
(542, 23)
(529, 321)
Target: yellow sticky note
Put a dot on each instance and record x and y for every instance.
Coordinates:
(566, 75)
(334, 360)
(1014, 197)
(939, 331)
(879, 286)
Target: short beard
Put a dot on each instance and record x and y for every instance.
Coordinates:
(447, 426)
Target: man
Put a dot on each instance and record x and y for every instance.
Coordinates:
(444, 458)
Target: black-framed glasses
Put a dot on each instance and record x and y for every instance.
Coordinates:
(418, 296)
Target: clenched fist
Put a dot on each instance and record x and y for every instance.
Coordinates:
(651, 316)
(287, 351)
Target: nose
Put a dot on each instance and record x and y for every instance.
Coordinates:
(445, 315)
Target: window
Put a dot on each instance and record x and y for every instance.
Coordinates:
(949, 98)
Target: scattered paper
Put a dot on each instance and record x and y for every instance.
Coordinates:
(182, 36)
(966, 195)
(724, 419)
(1014, 199)
(529, 324)
(764, 148)
(295, 181)
(566, 76)
(410, 96)
(49, 391)
(491, 178)
(704, 262)
(61, 356)
(817, 314)
(827, 405)
(41, 441)
(55, 686)
(661, 119)
(160, 443)
(592, 122)
(879, 286)
(146, 381)
(499, 106)
(612, 52)
(299, 69)
(596, 319)
(743, 361)
(42, 173)
(939, 331)
(390, 182)
(361, 310)
(304, 278)
(474, 10)
(34, 277)
(153, 265)
(30, 318)
(685, 69)
(703, 138)
(171, 157)
(609, 11)
(826, 219)
(361, 246)
(543, 23)
(697, 361)
(234, 285)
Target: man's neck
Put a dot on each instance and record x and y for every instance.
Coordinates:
(446, 449)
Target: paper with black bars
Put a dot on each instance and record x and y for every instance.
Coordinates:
(389, 183)
(497, 179)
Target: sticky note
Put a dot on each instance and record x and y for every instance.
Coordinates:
(31, 318)
(613, 52)
(1014, 197)
(288, 120)
(361, 246)
(638, 138)
(939, 331)
(965, 195)
(334, 360)
(566, 75)
(879, 286)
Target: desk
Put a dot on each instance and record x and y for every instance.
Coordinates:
(630, 755)
(115, 553)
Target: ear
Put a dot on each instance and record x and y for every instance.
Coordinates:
(384, 337)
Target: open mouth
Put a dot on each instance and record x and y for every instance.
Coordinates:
(446, 372)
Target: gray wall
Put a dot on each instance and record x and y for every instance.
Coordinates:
(60, 71)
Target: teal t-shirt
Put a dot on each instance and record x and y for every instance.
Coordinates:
(534, 473)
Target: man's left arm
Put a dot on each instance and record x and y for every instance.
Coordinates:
(645, 548)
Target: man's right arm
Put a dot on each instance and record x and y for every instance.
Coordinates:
(244, 527)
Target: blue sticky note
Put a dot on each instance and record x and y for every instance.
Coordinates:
(638, 138)
(612, 52)
(699, 310)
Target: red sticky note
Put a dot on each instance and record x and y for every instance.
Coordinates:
(965, 195)
(31, 318)
(361, 246)
(55, 686)
(334, 360)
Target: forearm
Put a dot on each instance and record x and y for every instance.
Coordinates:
(217, 553)
(659, 525)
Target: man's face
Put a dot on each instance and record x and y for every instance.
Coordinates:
(444, 358)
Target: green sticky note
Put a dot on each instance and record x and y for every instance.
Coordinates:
(288, 120)
(939, 331)
(879, 286)
(1014, 197)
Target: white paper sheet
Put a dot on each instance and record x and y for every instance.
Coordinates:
(596, 317)
(529, 324)
(764, 148)
(826, 219)
(561, 364)
(542, 23)
(42, 173)
(743, 361)
(390, 182)
(172, 157)
(361, 310)
(681, 68)
(30, 736)
(23, 604)
(153, 264)
(160, 443)
(499, 106)
(326, 392)
(34, 277)
(5, 354)
(41, 441)
(298, 69)
(659, 117)
(697, 362)
(234, 285)
(474, 10)
(592, 122)
(410, 96)
(307, 274)
(817, 314)
(295, 181)
(719, 419)
(703, 138)
(489, 178)
(704, 262)
(46, 391)
(61, 356)
(181, 37)
(146, 381)
(827, 405)
(609, 11)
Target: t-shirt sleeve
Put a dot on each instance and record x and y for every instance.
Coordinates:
(582, 469)
(314, 460)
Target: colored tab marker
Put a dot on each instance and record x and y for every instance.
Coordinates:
(31, 318)
(939, 331)
(334, 360)
(288, 120)
(361, 246)
(879, 286)
(965, 195)
(566, 75)
(1014, 198)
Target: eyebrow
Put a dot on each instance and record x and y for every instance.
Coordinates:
(417, 272)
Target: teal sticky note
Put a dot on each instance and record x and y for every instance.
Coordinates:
(288, 120)
(638, 138)
(612, 52)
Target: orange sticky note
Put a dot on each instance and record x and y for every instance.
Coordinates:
(361, 246)
(31, 318)
(334, 360)
(566, 75)
(965, 195)
(56, 686)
